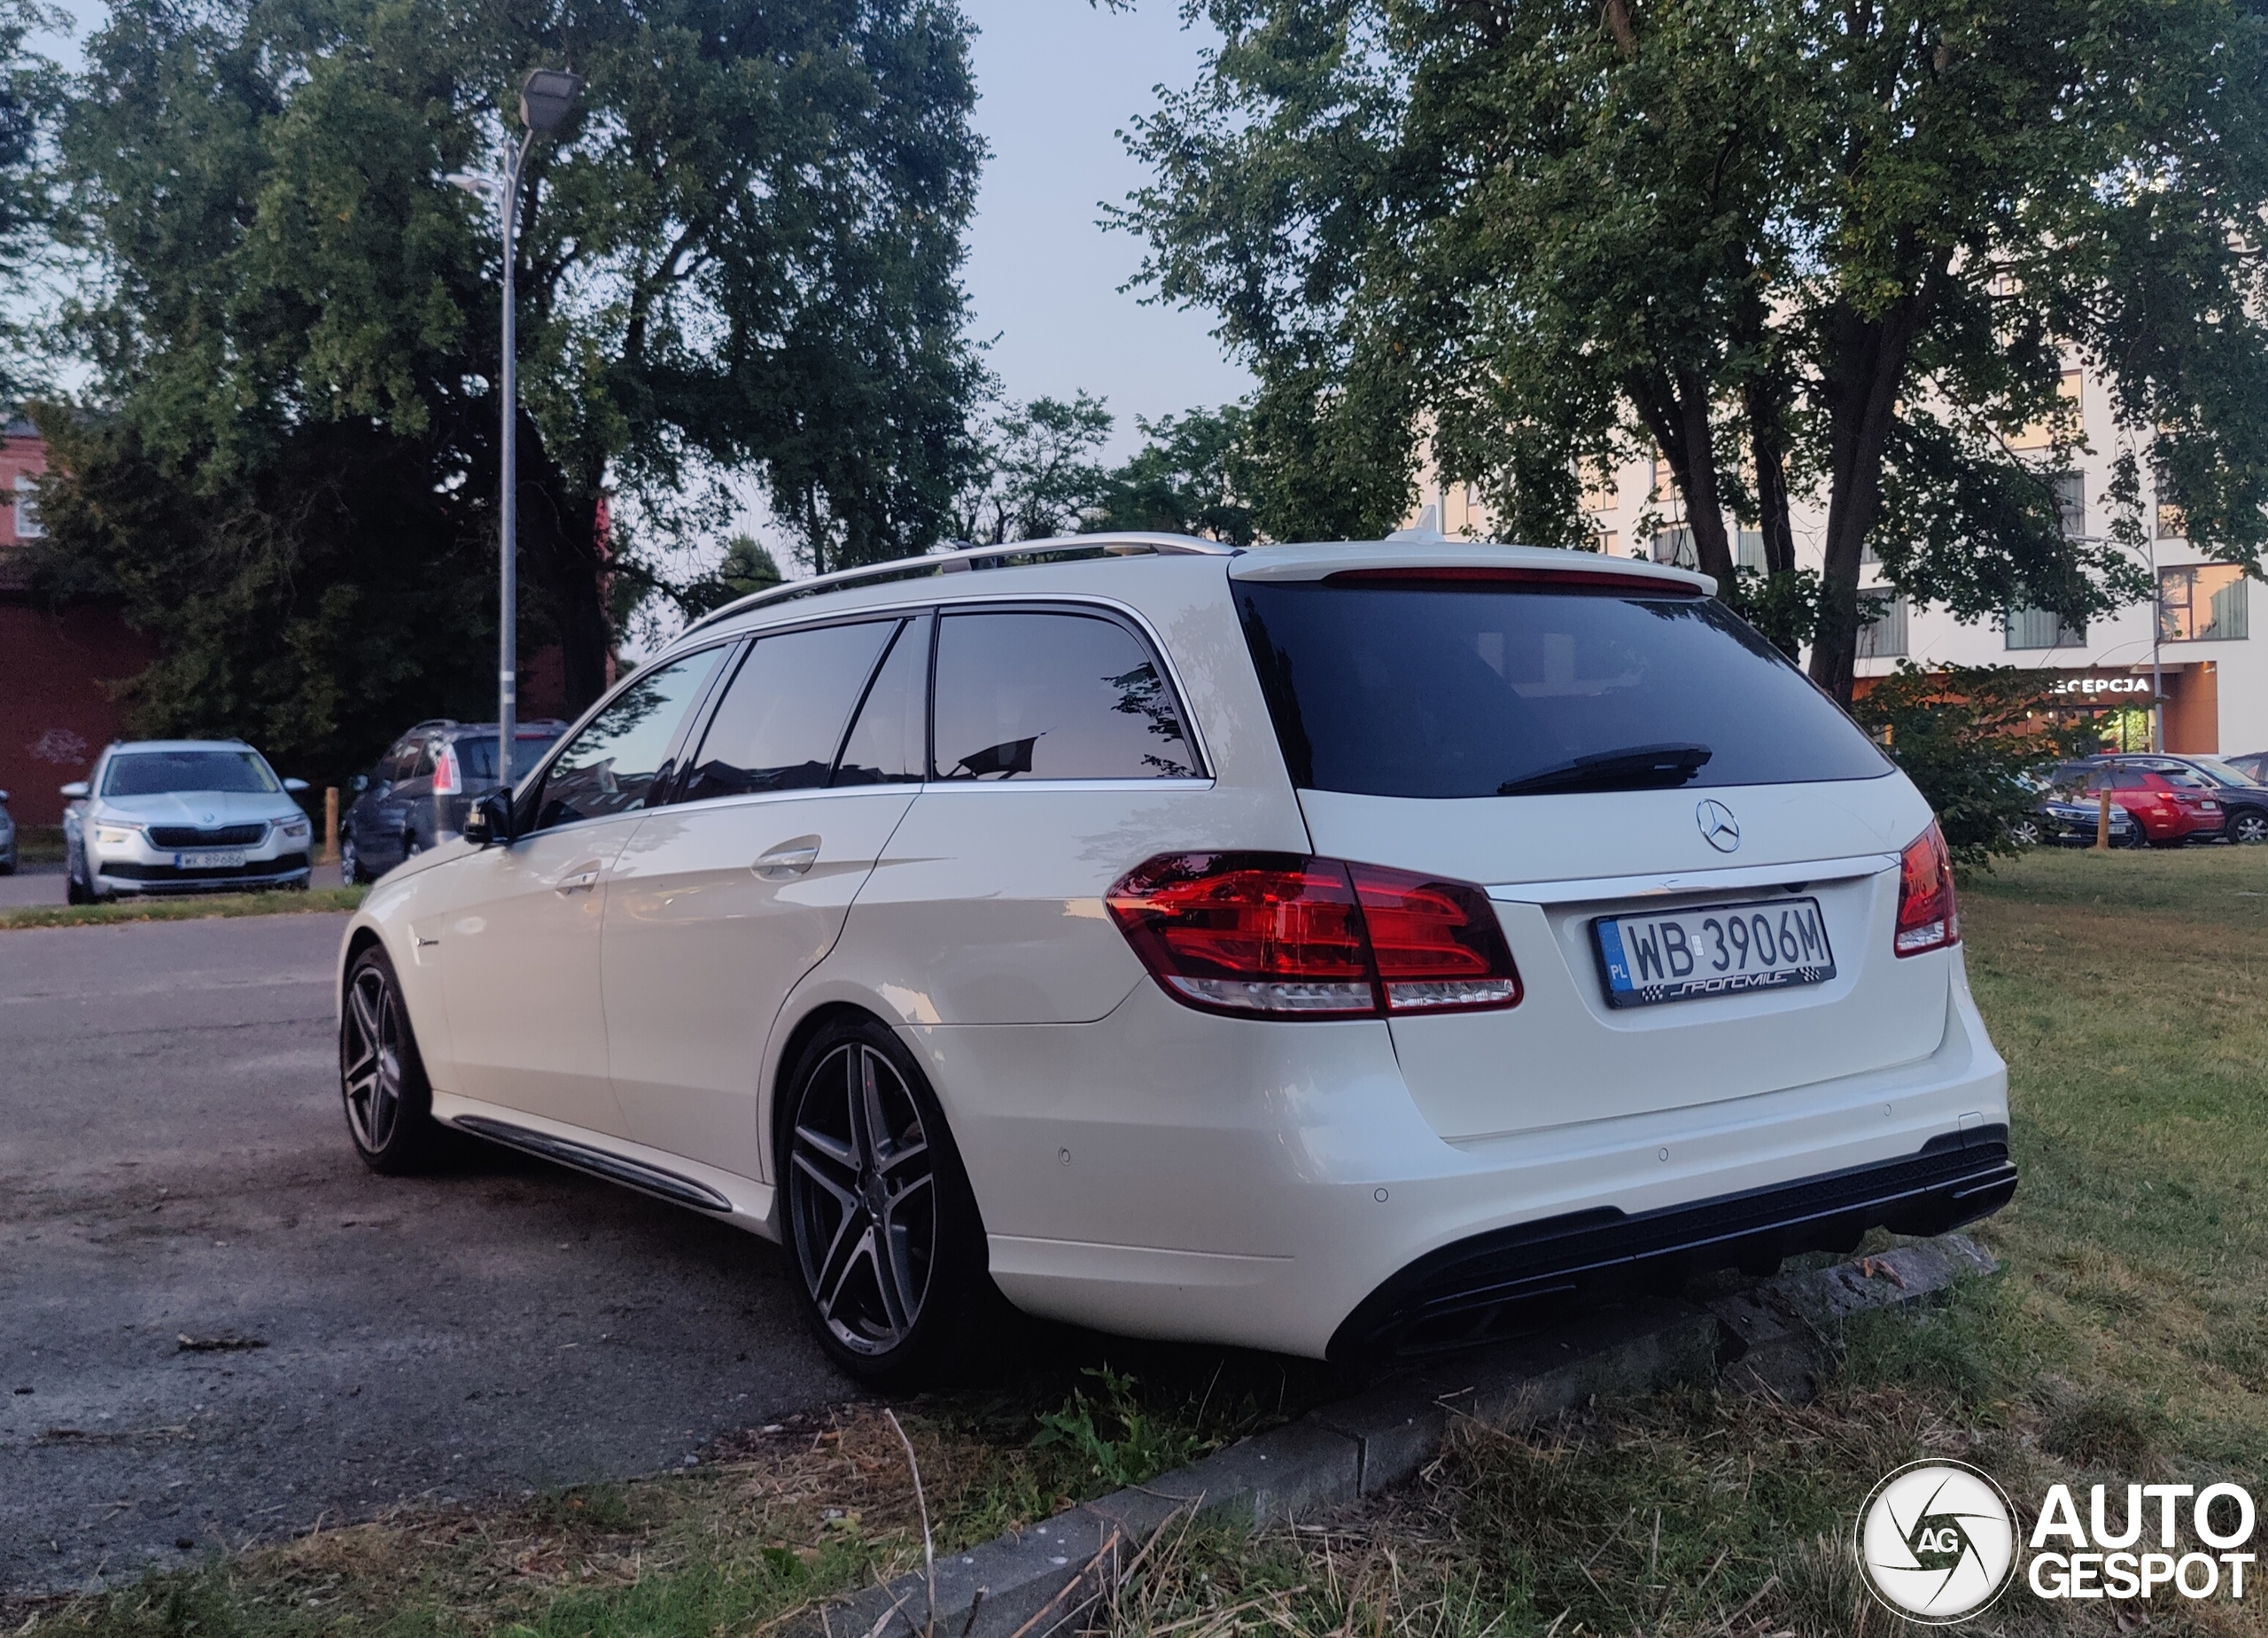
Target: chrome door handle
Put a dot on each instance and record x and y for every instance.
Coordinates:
(789, 859)
(581, 880)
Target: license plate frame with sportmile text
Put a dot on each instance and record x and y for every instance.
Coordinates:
(1639, 966)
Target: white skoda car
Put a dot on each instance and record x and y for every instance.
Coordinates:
(1341, 949)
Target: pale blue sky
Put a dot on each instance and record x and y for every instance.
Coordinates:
(1060, 80)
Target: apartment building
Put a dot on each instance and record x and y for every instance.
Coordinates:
(2195, 651)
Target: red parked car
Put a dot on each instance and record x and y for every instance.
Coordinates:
(2170, 807)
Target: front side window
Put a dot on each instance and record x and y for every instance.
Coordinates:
(1446, 689)
(611, 766)
(162, 773)
(783, 714)
(1044, 694)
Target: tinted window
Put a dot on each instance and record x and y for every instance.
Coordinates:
(611, 765)
(1032, 694)
(887, 743)
(783, 715)
(1461, 691)
(477, 757)
(155, 772)
(2126, 778)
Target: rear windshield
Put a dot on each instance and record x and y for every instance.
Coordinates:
(1483, 691)
(157, 772)
(477, 758)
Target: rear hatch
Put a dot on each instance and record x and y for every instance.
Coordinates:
(1600, 742)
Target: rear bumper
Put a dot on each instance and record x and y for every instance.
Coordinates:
(1492, 1284)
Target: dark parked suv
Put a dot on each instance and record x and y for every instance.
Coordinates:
(417, 796)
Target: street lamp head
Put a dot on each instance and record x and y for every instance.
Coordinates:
(480, 187)
(545, 97)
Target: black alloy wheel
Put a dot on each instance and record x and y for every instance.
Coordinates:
(381, 1077)
(880, 1219)
(2248, 825)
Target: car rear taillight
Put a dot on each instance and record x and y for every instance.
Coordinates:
(1280, 935)
(1927, 918)
(446, 780)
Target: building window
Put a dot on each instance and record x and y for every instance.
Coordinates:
(2173, 524)
(1748, 549)
(2072, 502)
(27, 507)
(1882, 625)
(2042, 628)
(1675, 545)
(2203, 603)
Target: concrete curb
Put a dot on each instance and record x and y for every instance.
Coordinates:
(1772, 1337)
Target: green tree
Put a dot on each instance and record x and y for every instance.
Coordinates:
(747, 568)
(29, 93)
(1842, 250)
(741, 253)
(1189, 477)
(1034, 473)
(1977, 741)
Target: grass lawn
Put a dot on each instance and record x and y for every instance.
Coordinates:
(2127, 1341)
(301, 903)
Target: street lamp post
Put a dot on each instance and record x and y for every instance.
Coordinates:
(546, 96)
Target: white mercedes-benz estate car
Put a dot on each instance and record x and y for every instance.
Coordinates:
(1340, 949)
(182, 816)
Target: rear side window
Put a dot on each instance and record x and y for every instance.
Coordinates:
(782, 717)
(888, 744)
(1045, 695)
(611, 766)
(1482, 690)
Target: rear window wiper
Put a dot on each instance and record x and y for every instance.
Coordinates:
(1641, 767)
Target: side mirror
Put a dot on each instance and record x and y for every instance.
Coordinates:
(489, 820)
(76, 790)
(295, 785)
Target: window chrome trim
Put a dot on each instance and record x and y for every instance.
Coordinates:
(1797, 873)
(938, 787)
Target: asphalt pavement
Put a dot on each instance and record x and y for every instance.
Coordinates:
(173, 1165)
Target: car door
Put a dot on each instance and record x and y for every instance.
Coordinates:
(518, 937)
(724, 899)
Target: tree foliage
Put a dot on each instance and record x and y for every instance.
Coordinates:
(1975, 741)
(1837, 251)
(741, 253)
(29, 93)
(1035, 472)
(1192, 477)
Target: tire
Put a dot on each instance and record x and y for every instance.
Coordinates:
(350, 863)
(887, 1248)
(75, 891)
(388, 1101)
(2249, 825)
(2136, 837)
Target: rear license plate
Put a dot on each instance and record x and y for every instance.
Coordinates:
(208, 861)
(1713, 950)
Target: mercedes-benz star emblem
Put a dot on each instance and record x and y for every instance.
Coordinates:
(1718, 825)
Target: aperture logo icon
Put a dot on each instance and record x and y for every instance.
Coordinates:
(1936, 1541)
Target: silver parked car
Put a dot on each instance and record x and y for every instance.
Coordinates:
(182, 816)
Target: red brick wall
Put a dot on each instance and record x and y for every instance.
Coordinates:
(55, 714)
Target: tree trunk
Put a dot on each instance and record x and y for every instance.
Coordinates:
(1677, 414)
(1864, 368)
(559, 553)
(1768, 443)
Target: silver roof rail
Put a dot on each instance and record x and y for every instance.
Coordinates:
(1119, 544)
